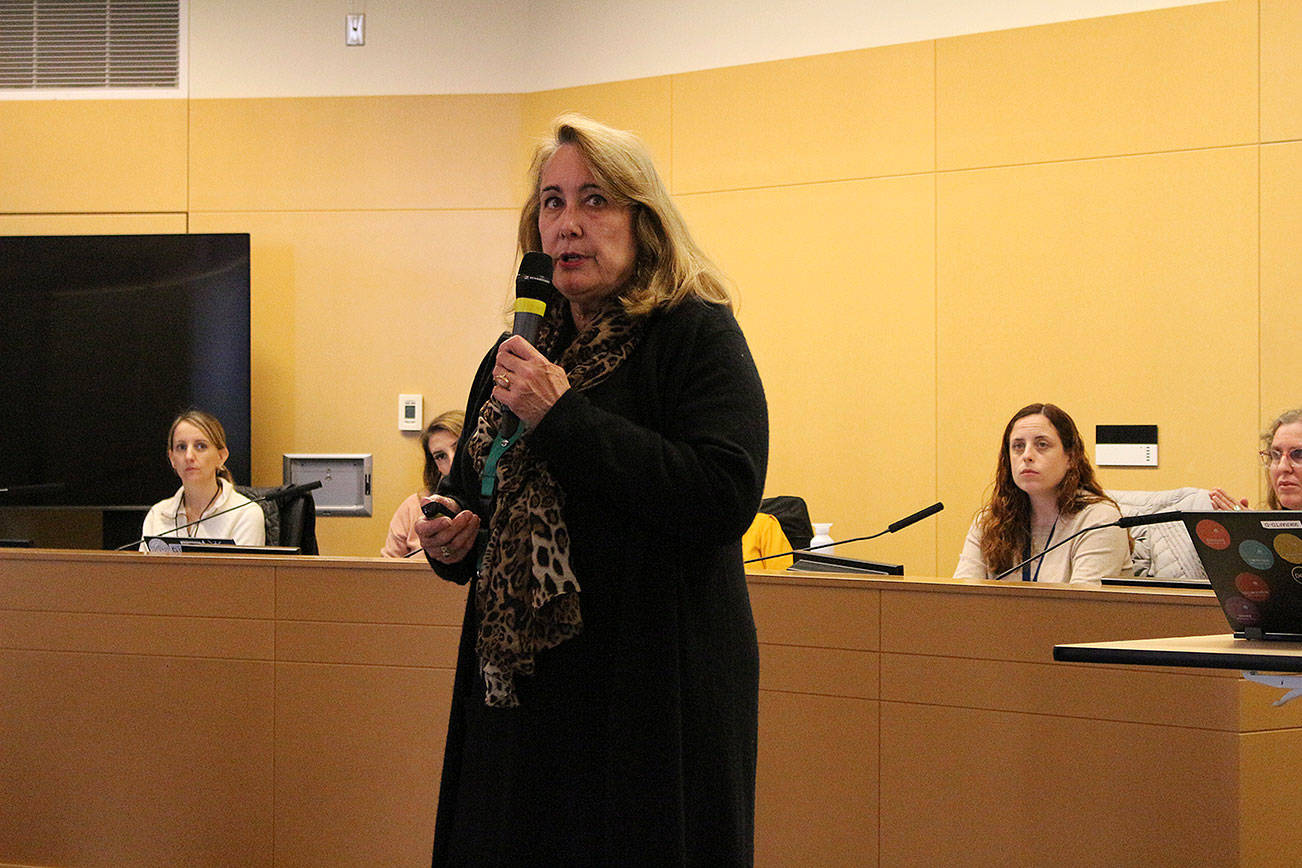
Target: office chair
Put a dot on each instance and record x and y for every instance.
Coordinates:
(792, 513)
(288, 523)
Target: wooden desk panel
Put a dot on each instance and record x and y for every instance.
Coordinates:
(996, 621)
(359, 750)
(222, 586)
(217, 710)
(131, 759)
(816, 800)
(976, 787)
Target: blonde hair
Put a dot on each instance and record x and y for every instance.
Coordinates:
(211, 428)
(1288, 417)
(669, 267)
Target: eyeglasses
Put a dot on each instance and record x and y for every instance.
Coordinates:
(1271, 457)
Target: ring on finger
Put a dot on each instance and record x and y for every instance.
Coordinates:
(445, 551)
(503, 380)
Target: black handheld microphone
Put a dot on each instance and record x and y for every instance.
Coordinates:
(890, 528)
(1124, 521)
(285, 493)
(533, 290)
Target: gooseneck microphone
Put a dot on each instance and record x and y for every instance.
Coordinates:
(890, 528)
(1124, 521)
(911, 519)
(288, 492)
(533, 290)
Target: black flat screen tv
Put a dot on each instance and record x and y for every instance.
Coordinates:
(106, 338)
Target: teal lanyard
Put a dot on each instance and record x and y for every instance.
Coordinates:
(488, 477)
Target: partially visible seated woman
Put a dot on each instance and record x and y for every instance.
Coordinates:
(196, 447)
(438, 443)
(1044, 490)
(765, 544)
(1281, 454)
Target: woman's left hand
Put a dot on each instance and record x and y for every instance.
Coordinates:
(1221, 500)
(525, 381)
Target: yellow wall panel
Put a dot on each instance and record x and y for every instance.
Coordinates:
(351, 309)
(1124, 290)
(839, 313)
(1281, 278)
(1281, 74)
(92, 155)
(92, 224)
(1153, 81)
(641, 106)
(856, 114)
(353, 153)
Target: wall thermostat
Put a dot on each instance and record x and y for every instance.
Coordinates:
(410, 412)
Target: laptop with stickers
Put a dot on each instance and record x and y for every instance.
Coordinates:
(1254, 563)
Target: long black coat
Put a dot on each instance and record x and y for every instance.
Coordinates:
(635, 742)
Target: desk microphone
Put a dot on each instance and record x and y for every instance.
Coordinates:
(533, 289)
(890, 528)
(1124, 521)
(288, 492)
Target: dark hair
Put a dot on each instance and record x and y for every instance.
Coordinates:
(1005, 521)
(452, 422)
(211, 428)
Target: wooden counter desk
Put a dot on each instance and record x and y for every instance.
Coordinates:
(228, 710)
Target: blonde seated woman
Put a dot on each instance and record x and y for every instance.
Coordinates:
(196, 448)
(1045, 490)
(1281, 455)
(438, 443)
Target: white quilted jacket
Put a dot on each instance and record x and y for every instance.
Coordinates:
(1164, 550)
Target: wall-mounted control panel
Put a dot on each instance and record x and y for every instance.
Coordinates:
(410, 412)
(1125, 445)
(345, 481)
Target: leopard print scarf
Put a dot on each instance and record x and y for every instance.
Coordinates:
(527, 596)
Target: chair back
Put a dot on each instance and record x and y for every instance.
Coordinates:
(289, 522)
(298, 524)
(792, 513)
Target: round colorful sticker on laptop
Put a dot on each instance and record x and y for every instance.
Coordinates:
(1243, 611)
(1256, 554)
(1213, 534)
(1252, 586)
(1289, 547)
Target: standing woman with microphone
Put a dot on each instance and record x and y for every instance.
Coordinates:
(605, 706)
(196, 448)
(1045, 490)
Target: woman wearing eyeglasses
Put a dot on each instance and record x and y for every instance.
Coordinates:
(1282, 457)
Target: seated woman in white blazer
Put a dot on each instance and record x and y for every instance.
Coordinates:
(196, 448)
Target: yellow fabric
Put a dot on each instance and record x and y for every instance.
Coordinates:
(765, 537)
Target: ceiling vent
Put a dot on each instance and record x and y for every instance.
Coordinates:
(55, 44)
